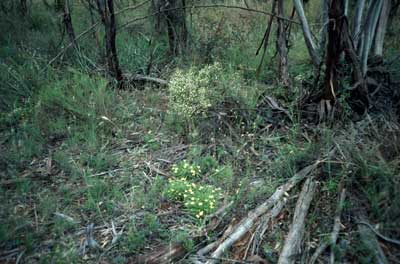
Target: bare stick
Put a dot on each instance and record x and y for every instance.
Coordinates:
(295, 236)
(245, 225)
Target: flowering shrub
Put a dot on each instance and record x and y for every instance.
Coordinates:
(194, 91)
(199, 199)
(185, 170)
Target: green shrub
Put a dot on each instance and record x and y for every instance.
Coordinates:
(194, 91)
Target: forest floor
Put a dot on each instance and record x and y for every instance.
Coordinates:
(109, 204)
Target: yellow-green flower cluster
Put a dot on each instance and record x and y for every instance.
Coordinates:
(199, 199)
(185, 170)
(202, 200)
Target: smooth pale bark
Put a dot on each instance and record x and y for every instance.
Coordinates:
(374, 11)
(381, 28)
(281, 46)
(312, 50)
(325, 19)
(357, 19)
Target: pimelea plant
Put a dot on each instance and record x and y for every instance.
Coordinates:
(194, 91)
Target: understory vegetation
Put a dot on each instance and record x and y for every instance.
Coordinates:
(155, 172)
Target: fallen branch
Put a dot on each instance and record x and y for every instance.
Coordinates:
(295, 236)
(245, 225)
(335, 230)
(140, 77)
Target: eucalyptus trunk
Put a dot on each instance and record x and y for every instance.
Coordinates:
(374, 11)
(282, 47)
(381, 28)
(357, 20)
(312, 50)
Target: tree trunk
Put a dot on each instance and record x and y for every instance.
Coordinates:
(68, 23)
(374, 11)
(334, 49)
(325, 20)
(312, 50)
(381, 28)
(357, 19)
(175, 16)
(106, 10)
(95, 34)
(282, 47)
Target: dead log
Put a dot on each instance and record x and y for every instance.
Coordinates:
(246, 224)
(143, 78)
(295, 236)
